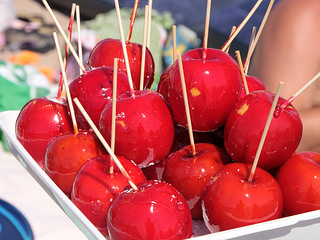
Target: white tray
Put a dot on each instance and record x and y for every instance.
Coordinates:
(301, 226)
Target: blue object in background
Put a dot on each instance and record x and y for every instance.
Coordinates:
(13, 225)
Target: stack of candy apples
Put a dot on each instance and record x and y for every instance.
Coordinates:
(148, 164)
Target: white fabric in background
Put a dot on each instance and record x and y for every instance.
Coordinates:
(46, 219)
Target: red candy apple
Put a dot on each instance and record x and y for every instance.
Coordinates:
(144, 127)
(181, 139)
(230, 201)
(245, 124)
(95, 187)
(103, 54)
(162, 86)
(38, 122)
(189, 174)
(155, 211)
(94, 90)
(299, 180)
(67, 153)
(213, 87)
(254, 84)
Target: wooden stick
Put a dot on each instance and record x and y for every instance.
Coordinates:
(253, 35)
(149, 23)
(247, 62)
(132, 19)
(232, 31)
(266, 15)
(114, 107)
(206, 31)
(174, 42)
(64, 35)
(227, 44)
(125, 53)
(74, 121)
(264, 133)
(244, 79)
(186, 105)
(294, 96)
(114, 98)
(144, 42)
(79, 36)
(105, 144)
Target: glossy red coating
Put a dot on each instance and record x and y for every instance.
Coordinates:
(67, 153)
(103, 54)
(254, 84)
(162, 87)
(230, 201)
(299, 180)
(95, 187)
(246, 122)
(189, 174)
(94, 89)
(213, 87)
(40, 120)
(144, 127)
(155, 211)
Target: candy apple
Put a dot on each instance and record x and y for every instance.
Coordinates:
(162, 87)
(155, 211)
(189, 174)
(40, 120)
(67, 153)
(213, 87)
(181, 139)
(144, 127)
(245, 124)
(94, 90)
(254, 84)
(95, 187)
(299, 180)
(230, 200)
(103, 54)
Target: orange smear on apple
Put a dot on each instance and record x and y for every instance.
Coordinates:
(243, 109)
(195, 92)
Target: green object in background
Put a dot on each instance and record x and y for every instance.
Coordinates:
(18, 85)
